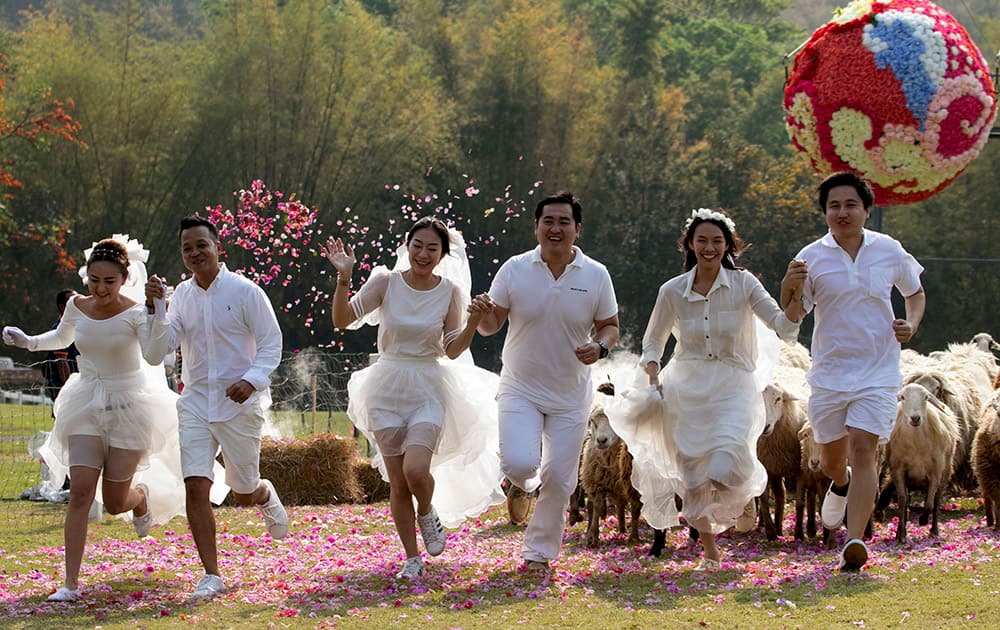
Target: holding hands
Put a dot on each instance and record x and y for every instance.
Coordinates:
(340, 255)
(481, 304)
(795, 278)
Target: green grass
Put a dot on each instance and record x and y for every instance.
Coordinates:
(652, 593)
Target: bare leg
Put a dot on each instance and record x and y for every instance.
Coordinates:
(116, 490)
(83, 487)
(707, 539)
(202, 521)
(864, 481)
(417, 469)
(833, 460)
(401, 505)
(259, 496)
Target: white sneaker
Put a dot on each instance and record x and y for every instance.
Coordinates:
(835, 506)
(64, 595)
(413, 568)
(208, 587)
(274, 513)
(748, 520)
(144, 523)
(432, 532)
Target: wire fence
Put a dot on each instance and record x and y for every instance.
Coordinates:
(309, 393)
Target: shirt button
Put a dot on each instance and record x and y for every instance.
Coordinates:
(706, 318)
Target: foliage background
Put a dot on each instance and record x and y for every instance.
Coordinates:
(644, 108)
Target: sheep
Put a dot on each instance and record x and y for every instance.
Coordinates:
(812, 485)
(794, 354)
(607, 474)
(969, 359)
(921, 451)
(985, 342)
(956, 389)
(986, 459)
(778, 451)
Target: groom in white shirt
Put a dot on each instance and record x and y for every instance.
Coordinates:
(231, 343)
(554, 296)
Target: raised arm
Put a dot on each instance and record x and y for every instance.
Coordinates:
(341, 256)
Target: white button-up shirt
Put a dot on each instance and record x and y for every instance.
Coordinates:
(718, 326)
(549, 318)
(227, 333)
(853, 344)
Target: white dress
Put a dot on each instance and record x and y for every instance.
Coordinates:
(415, 395)
(706, 426)
(120, 398)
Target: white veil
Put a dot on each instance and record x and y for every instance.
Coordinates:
(135, 285)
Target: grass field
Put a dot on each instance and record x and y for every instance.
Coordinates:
(335, 569)
(18, 471)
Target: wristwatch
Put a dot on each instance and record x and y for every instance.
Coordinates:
(604, 349)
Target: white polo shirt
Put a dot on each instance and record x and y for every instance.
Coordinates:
(227, 332)
(549, 318)
(853, 344)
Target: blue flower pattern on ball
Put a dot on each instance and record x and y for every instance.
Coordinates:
(914, 52)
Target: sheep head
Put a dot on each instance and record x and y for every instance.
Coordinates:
(810, 449)
(775, 399)
(984, 341)
(601, 434)
(913, 400)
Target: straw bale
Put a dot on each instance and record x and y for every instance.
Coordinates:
(373, 487)
(317, 470)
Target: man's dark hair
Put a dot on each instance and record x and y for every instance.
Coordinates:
(196, 221)
(561, 197)
(845, 178)
(62, 297)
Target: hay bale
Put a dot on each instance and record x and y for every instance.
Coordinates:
(317, 470)
(373, 487)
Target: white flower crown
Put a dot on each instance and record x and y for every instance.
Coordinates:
(706, 214)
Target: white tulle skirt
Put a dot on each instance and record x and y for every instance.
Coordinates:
(134, 412)
(699, 442)
(447, 406)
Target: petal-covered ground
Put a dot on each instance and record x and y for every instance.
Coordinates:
(340, 561)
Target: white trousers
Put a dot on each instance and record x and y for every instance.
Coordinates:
(540, 448)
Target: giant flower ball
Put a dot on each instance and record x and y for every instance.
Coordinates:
(894, 90)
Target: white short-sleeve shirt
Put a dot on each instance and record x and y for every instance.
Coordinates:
(549, 318)
(853, 344)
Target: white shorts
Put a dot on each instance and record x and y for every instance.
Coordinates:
(239, 438)
(872, 409)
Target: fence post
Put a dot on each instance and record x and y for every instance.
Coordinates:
(314, 404)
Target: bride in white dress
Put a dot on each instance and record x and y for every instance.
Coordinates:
(433, 420)
(113, 418)
(695, 433)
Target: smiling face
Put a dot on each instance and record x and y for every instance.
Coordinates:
(708, 243)
(845, 213)
(556, 231)
(424, 251)
(104, 281)
(200, 251)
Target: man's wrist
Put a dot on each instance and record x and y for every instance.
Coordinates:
(604, 349)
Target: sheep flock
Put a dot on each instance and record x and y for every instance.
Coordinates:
(945, 442)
